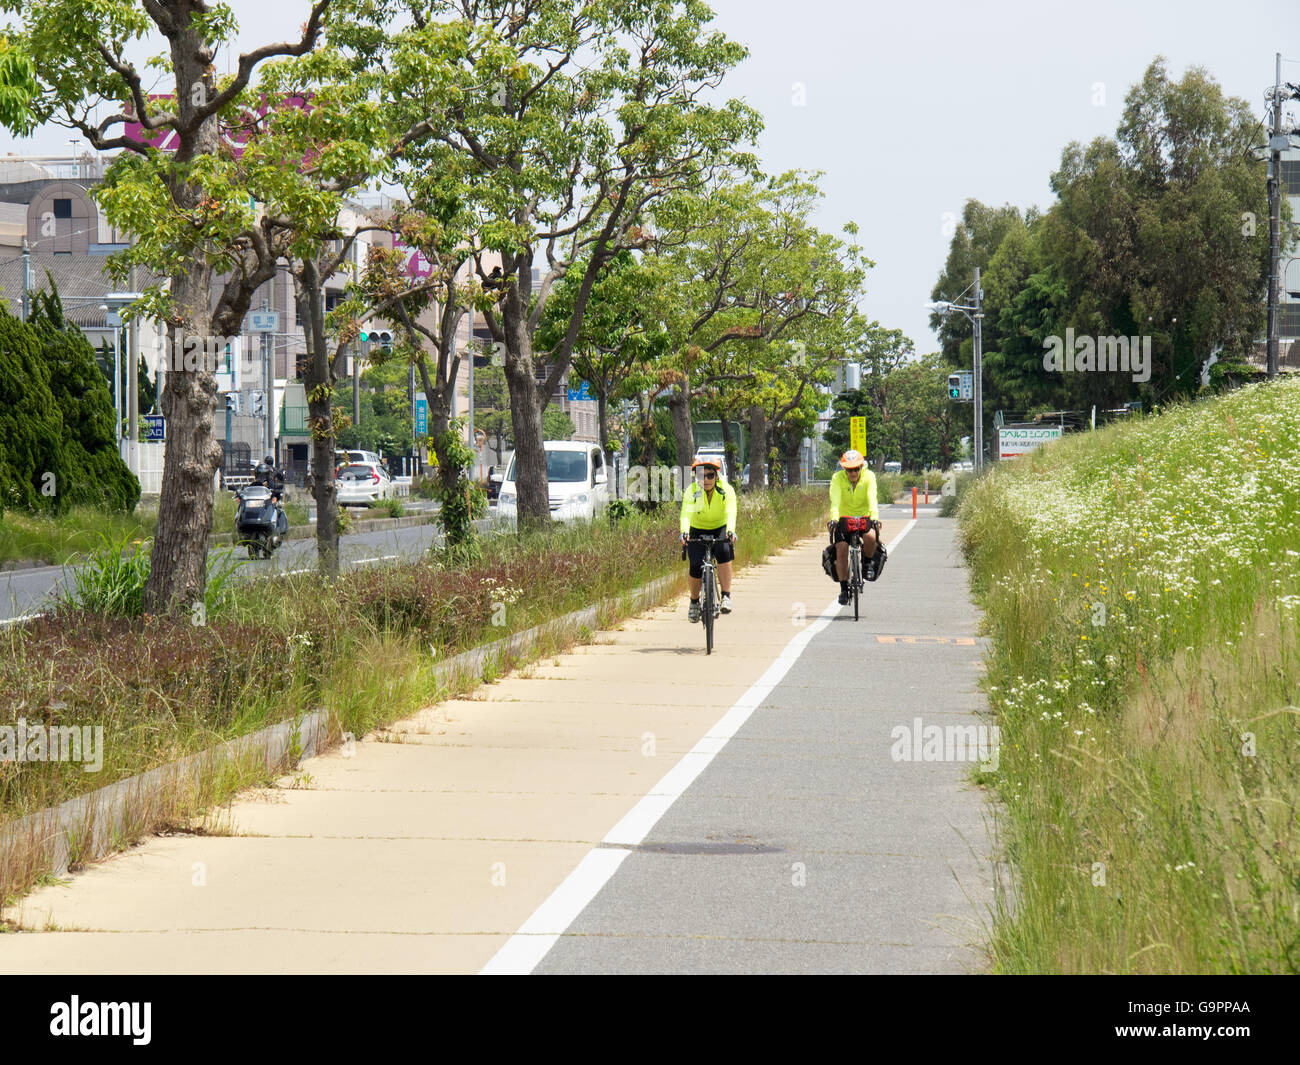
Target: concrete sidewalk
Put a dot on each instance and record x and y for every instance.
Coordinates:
(429, 846)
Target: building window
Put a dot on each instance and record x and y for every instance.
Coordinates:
(1291, 176)
(1289, 324)
(62, 208)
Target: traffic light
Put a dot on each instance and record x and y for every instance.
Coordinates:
(257, 400)
(954, 386)
(384, 339)
(232, 402)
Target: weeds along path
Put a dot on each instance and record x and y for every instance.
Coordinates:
(1142, 586)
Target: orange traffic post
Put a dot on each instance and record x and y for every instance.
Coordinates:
(913, 501)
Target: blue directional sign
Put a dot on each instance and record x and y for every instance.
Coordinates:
(421, 416)
(583, 391)
(156, 425)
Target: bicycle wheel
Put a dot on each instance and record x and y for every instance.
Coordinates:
(855, 576)
(710, 598)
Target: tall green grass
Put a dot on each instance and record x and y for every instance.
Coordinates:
(58, 539)
(1141, 585)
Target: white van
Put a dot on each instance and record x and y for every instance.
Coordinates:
(576, 476)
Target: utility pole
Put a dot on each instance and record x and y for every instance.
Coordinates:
(979, 373)
(268, 384)
(1274, 219)
(133, 389)
(27, 279)
(356, 389)
(470, 398)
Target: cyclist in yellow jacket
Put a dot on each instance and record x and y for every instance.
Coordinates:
(709, 508)
(853, 495)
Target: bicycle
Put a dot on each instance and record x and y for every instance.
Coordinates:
(709, 602)
(855, 527)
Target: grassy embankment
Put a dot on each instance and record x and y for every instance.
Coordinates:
(1142, 585)
(362, 646)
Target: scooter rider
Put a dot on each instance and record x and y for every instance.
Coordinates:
(268, 475)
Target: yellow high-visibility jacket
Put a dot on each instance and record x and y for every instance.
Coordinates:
(847, 502)
(700, 511)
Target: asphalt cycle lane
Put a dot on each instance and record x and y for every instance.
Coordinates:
(834, 832)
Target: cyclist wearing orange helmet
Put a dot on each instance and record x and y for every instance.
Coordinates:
(853, 495)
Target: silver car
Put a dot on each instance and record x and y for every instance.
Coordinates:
(363, 482)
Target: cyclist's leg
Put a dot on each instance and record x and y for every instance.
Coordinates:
(695, 560)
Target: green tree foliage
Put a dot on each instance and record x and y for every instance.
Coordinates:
(56, 418)
(556, 425)
(17, 87)
(1156, 232)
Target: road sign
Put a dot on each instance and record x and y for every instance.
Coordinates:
(858, 435)
(583, 391)
(262, 322)
(156, 425)
(1015, 442)
(480, 437)
(421, 416)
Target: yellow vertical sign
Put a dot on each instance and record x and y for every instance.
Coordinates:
(858, 435)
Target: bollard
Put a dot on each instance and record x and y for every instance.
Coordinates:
(927, 491)
(913, 501)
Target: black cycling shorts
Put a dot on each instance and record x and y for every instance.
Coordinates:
(839, 536)
(723, 551)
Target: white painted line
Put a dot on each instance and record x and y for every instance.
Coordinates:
(384, 558)
(538, 934)
(524, 950)
(21, 618)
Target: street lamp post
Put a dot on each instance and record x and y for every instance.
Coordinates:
(975, 313)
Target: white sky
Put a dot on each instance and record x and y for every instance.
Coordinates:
(912, 108)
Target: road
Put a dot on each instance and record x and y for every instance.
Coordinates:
(26, 591)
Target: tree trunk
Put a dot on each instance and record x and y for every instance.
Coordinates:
(679, 404)
(793, 453)
(178, 565)
(757, 449)
(729, 450)
(602, 419)
(319, 378)
(320, 417)
(526, 406)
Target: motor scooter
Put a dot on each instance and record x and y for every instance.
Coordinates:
(259, 520)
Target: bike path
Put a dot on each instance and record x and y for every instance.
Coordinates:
(804, 846)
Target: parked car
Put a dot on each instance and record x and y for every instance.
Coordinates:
(576, 478)
(496, 474)
(359, 483)
(345, 458)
